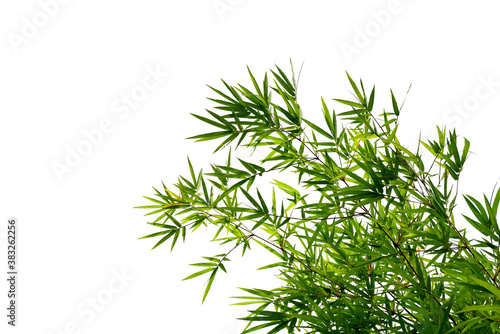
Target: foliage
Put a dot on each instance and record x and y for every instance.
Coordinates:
(365, 242)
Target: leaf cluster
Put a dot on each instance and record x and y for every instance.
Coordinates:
(366, 243)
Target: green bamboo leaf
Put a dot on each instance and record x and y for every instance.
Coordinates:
(198, 273)
(209, 284)
(488, 286)
(156, 234)
(162, 226)
(165, 238)
(496, 202)
(372, 99)
(477, 209)
(234, 187)
(331, 120)
(204, 264)
(350, 103)
(465, 151)
(394, 104)
(318, 129)
(211, 122)
(284, 81)
(356, 89)
(176, 236)
(359, 180)
(149, 206)
(257, 88)
(464, 325)
(483, 308)
(211, 135)
(273, 265)
(154, 200)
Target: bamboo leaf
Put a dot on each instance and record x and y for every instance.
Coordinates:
(394, 104)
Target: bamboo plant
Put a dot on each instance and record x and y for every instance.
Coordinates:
(362, 229)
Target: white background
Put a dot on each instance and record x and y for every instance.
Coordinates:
(62, 74)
